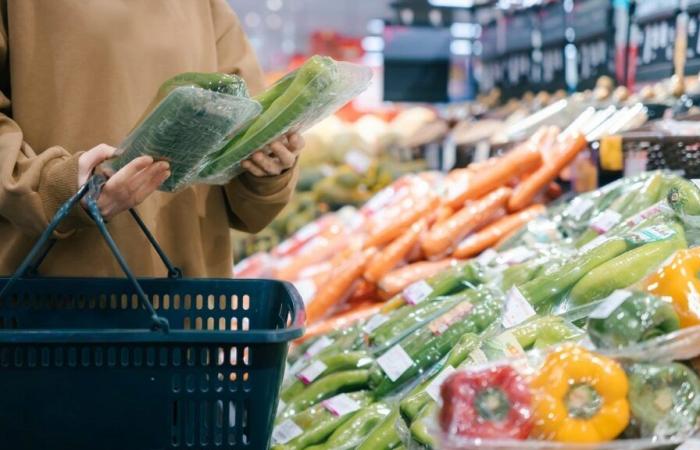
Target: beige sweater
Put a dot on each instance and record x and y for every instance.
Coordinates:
(80, 73)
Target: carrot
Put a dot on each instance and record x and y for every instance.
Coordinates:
(443, 213)
(513, 164)
(387, 259)
(524, 194)
(443, 236)
(478, 242)
(338, 285)
(386, 228)
(361, 312)
(365, 290)
(318, 249)
(397, 280)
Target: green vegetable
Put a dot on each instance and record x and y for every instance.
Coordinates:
(684, 197)
(545, 291)
(384, 436)
(544, 331)
(284, 108)
(431, 343)
(334, 363)
(664, 399)
(617, 206)
(324, 388)
(646, 196)
(639, 318)
(318, 423)
(419, 429)
(626, 269)
(521, 273)
(352, 432)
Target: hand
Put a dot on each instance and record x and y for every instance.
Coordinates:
(126, 188)
(276, 157)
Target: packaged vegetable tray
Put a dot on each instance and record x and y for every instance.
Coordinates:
(569, 398)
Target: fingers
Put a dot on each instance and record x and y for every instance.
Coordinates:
(286, 157)
(148, 180)
(131, 185)
(268, 165)
(91, 159)
(130, 170)
(296, 142)
(253, 169)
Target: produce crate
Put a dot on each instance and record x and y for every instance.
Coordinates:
(133, 364)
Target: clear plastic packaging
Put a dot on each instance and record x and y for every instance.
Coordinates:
(569, 398)
(188, 125)
(298, 101)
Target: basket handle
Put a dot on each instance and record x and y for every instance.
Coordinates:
(298, 305)
(91, 191)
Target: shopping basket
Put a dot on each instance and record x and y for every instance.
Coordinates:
(127, 364)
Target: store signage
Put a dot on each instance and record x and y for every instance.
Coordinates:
(653, 36)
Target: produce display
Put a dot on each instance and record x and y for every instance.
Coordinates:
(560, 327)
(205, 125)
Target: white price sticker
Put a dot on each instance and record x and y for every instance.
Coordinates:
(375, 322)
(306, 289)
(395, 362)
(651, 234)
(593, 244)
(605, 221)
(487, 257)
(358, 161)
(417, 292)
(478, 356)
(516, 255)
(317, 346)
(610, 304)
(341, 405)
(285, 432)
(579, 206)
(311, 372)
(517, 309)
(433, 388)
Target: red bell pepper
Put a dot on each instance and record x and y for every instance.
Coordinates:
(492, 404)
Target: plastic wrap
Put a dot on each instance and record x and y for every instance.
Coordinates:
(569, 398)
(188, 125)
(295, 103)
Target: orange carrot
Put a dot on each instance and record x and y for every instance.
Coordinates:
(397, 280)
(525, 193)
(318, 249)
(478, 242)
(386, 228)
(338, 285)
(443, 236)
(513, 164)
(387, 259)
(361, 312)
(364, 291)
(441, 214)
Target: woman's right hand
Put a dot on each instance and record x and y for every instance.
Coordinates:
(129, 186)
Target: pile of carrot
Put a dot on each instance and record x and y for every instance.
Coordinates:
(421, 225)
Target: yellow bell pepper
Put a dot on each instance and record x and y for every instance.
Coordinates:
(678, 281)
(580, 397)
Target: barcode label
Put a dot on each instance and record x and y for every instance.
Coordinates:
(317, 346)
(517, 309)
(285, 432)
(579, 206)
(395, 362)
(433, 388)
(651, 234)
(311, 372)
(341, 405)
(605, 221)
(417, 292)
(375, 322)
(610, 304)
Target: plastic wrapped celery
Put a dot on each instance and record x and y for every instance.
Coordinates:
(188, 124)
(295, 103)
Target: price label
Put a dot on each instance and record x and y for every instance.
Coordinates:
(317, 346)
(341, 405)
(487, 257)
(516, 255)
(433, 388)
(306, 289)
(417, 292)
(517, 309)
(650, 234)
(593, 244)
(375, 322)
(579, 206)
(311, 372)
(395, 362)
(651, 211)
(285, 432)
(603, 222)
(611, 153)
(610, 304)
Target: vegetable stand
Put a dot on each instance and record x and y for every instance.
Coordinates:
(132, 363)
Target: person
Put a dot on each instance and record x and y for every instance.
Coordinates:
(75, 77)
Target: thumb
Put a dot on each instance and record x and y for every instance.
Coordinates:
(91, 159)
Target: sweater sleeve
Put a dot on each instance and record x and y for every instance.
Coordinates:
(33, 184)
(252, 201)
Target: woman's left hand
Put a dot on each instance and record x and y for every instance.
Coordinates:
(276, 157)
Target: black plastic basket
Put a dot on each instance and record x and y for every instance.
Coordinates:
(111, 363)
